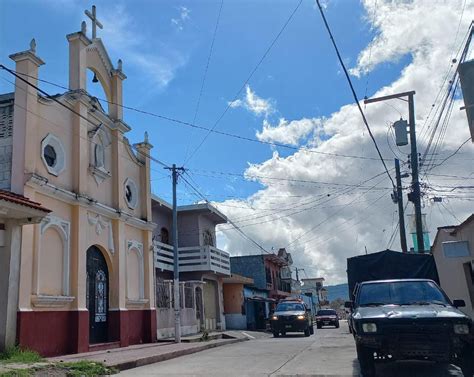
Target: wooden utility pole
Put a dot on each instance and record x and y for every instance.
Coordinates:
(415, 184)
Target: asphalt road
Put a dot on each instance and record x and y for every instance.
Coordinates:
(328, 353)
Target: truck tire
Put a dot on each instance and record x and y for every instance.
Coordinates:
(276, 334)
(337, 325)
(311, 329)
(467, 363)
(307, 332)
(366, 361)
(319, 326)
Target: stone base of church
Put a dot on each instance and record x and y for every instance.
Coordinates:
(132, 326)
(54, 333)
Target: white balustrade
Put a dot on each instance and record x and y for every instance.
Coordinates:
(195, 258)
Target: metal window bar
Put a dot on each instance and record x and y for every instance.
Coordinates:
(163, 293)
(188, 296)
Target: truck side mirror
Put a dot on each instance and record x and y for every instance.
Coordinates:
(459, 303)
(348, 304)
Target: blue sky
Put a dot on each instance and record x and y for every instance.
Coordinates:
(298, 96)
(300, 75)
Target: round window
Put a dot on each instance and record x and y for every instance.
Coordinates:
(128, 193)
(50, 155)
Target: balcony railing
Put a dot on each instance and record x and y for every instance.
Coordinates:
(195, 258)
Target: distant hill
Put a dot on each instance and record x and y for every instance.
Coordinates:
(338, 291)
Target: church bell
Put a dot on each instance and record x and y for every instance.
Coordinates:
(95, 78)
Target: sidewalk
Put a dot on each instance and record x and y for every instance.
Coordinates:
(144, 354)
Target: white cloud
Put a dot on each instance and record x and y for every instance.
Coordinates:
(342, 224)
(288, 132)
(179, 21)
(254, 103)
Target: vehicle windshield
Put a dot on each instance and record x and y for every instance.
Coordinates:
(326, 312)
(289, 306)
(401, 293)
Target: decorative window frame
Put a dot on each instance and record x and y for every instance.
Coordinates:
(63, 228)
(137, 247)
(58, 147)
(99, 137)
(134, 189)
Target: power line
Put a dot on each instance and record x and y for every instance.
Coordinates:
(322, 222)
(451, 155)
(356, 99)
(241, 232)
(282, 29)
(222, 133)
(53, 98)
(250, 176)
(295, 212)
(198, 103)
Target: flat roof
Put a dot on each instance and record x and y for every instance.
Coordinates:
(206, 208)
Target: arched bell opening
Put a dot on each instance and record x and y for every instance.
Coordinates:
(96, 87)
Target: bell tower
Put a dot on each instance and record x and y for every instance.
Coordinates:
(84, 54)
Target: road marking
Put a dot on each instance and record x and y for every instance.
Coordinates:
(248, 336)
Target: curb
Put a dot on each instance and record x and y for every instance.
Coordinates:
(171, 355)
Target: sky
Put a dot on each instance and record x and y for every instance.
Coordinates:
(267, 71)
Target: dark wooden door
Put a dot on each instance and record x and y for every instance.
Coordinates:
(97, 295)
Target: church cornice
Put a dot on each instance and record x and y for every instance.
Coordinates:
(96, 112)
(131, 153)
(42, 185)
(79, 35)
(98, 46)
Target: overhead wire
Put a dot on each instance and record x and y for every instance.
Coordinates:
(198, 102)
(236, 96)
(53, 98)
(217, 132)
(354, 94)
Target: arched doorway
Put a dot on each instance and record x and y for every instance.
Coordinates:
(97, 295)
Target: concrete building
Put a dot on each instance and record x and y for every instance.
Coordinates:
(315, 288)
(454, 256)
(235, 310)
(202, 267)
(265, 270)
(85, 279)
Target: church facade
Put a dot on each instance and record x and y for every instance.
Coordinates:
(86, 269)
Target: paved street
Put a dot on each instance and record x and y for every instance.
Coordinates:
(329, 353)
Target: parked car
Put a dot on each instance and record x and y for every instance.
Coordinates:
(327, 317)
(410, 319)
(291, 316)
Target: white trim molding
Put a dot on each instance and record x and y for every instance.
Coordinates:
(44, 187)
(137, 247)
(63, 228)
(100, 223)
(46, 301)
(56, 144)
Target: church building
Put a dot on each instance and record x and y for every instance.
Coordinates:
(84, 272)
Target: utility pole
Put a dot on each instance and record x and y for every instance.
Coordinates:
(401, 215)
(177, 314)
(414, 196)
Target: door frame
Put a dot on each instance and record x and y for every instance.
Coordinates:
(102, 335)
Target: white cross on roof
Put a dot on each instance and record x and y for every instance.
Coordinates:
(95, 21)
